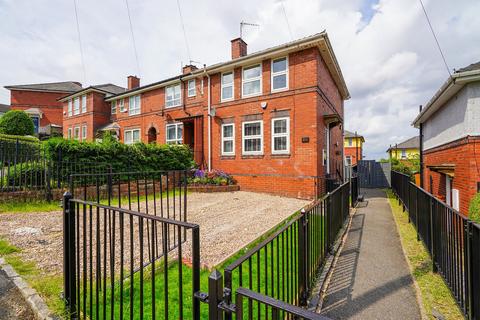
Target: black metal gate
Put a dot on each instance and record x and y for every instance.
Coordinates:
(129, 252)
(374, 174)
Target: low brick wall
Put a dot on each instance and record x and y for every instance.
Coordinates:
(211, 189)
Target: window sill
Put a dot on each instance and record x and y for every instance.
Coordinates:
(281, 155)
(252, 156)
(227, 157)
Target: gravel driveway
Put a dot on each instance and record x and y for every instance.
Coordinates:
(228, 222)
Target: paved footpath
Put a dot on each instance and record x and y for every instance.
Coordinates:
(372, 279)
(12, 304)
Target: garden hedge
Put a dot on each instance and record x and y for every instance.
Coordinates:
(16, 122)
(474, 208)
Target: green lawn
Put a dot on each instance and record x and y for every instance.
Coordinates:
(16, 206)
(435, 294)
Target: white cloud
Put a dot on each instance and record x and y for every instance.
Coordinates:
(385, 48)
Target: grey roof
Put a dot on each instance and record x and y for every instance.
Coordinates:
(108, 88)
(4, 107)
(412, 143)
(473, 66)
(65, 86)
(349, 134)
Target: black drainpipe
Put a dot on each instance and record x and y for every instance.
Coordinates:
(421, 152)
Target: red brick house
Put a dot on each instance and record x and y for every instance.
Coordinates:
(40, 101)
(353, 147)
(272, 118)
(86, 111)
(450, 139)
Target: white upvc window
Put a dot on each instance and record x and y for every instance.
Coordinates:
(76, 133)
(70, 108)
(84, 132)
(252, 137)
(227, 89)
(281, 135)
(84, 103)
(192, 92)
(252, 80)
(131, 136)
(122, 105)
(174, 133)
(404, 154)
(134, 105)
(228, 139)
(69, 133)
(76, 106)
(348, 160)
(173, 96)
(114, 107)
(279, 74)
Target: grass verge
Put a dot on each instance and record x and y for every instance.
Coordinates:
(48, 286)
(435, 294)
(16, 206)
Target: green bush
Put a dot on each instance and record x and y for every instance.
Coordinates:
(474, 208)
(19, 138)
(26, 174)
(122, 157)
(16, 122)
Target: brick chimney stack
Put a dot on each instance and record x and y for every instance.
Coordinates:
(189, 68)
(133, 82)
(239, 48)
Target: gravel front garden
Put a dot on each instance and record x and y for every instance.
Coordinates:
(228, 222)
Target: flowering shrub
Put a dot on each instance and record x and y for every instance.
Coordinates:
(214, 177)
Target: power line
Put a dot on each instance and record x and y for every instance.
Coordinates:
(80, 42)
(184, 33)
(435, 37)
(133, 37)
(286, 19)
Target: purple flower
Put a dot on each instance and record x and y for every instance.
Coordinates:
(198, 173)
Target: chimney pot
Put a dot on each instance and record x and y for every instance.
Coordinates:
(133, 82)
(239, 48)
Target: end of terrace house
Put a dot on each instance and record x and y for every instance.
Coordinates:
(273, 118)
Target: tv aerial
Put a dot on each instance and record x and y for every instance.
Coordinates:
(243, 24)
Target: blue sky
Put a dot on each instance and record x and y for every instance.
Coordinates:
(385, 49)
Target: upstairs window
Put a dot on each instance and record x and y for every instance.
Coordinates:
(114, 107)
(252, 80)
(280, 74)
(191, 88)
(134, 105)
(252, 138)
(76, 106)
(280, 136)
(173, 96)
(70, 108)
(227, 86)
(131, 136)
(228, 139)
(84, 103)
(350, 142)
(122, 105)
(174, 133)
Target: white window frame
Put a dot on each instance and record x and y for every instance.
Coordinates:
(122, 105)
(222, 98)
(252, 79)
(272, 74)
(350, 142)
(348, 160)
(252, 153)
(275, 135)
(190, 89)
(403, 154)
(83, 103)
(84, 132)
(232, 138)
(76, 106)
(69, 133)
(137, 108)
(75, 136)
(130, 131)
(176, 140)
(114, 107)
(175, 104)
(70, 107)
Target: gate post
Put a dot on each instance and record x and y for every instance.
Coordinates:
(215, 295)
(69, 254)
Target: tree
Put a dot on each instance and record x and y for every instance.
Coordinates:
(16, 122)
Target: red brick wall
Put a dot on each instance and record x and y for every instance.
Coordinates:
(352, 152)
(45, 101)
(465, 154)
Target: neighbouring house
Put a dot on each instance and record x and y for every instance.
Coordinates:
(405, 150)
(4, 108)
(353, 147)
(40, 102)
(273, 118)
(86, 111)
(450, 139)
